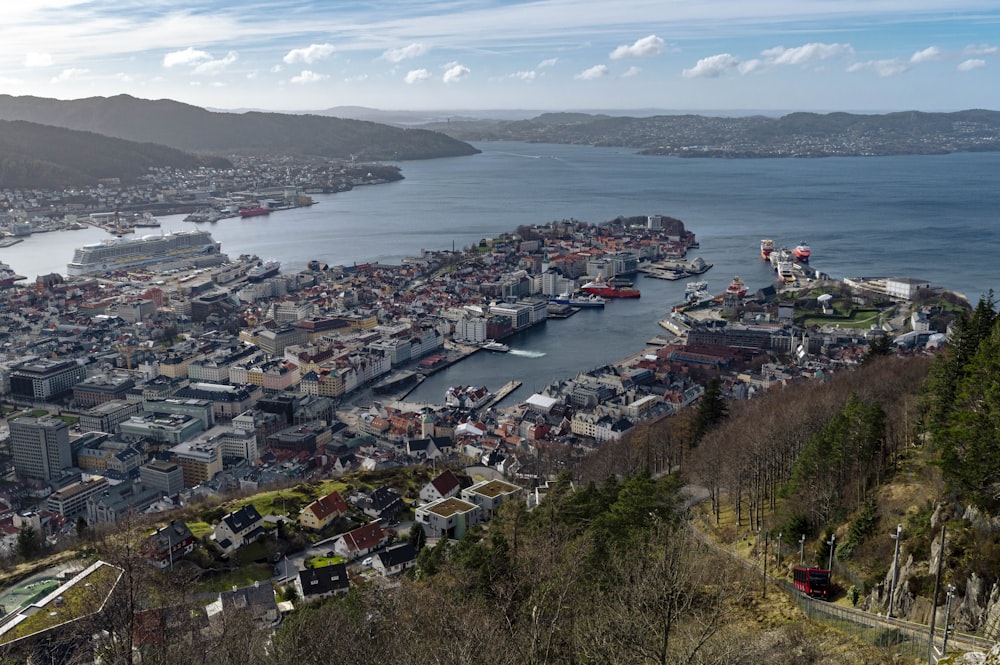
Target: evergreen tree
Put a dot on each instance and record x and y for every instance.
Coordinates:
(711, 410)
(28, 544)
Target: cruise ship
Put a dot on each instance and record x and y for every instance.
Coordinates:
(183, 248)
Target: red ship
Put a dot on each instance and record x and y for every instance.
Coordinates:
(802, 252)
(766, 247)
(601, 288)
(253, 212)
(737, 286)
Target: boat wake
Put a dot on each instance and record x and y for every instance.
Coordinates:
(526, 354)
(514, 154)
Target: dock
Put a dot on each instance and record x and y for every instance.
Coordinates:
(507, 389)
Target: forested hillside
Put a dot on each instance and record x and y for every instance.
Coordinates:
(41, 156)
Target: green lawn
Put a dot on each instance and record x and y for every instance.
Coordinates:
(862, 318)
(244, 576)
(323, 561)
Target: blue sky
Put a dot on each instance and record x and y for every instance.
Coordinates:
(701, 55)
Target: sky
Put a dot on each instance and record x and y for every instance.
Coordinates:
(681, 55)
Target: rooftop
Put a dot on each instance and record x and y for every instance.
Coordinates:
(449, 507)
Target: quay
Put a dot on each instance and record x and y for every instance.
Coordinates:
(507, 389)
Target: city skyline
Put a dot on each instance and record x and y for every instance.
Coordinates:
(815, 55)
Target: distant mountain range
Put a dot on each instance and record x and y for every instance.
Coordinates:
(792, 135)
(195, 129)
(46, 157)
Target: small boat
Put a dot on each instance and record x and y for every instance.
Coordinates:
(496, 347)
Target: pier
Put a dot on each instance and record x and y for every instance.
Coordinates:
(507, 389)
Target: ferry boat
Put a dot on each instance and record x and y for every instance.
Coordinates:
(263, 271)
(766, 247)
(496, 347)
(696, 293)
(125, 253)
(599, 287)
(802, 252)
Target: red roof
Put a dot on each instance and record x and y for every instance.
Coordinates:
(364, 537)
(445, 482)
(328, 505)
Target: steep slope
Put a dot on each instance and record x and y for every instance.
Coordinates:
(33, 155)
(187, 127)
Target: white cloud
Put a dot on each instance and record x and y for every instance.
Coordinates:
(124, 78)
(188, 56)
(308, 55)
(357, 78)
(971, 64)
(525, 76)
(929, 54)
(631, 71)
(595, 72)
(455, 73)
(712, 67)
(416, 75)
(308, 76)
(38, 59)
(408, 52)
(800, 55)
(68, 74)
(750, 66)
(276, 69)
(646, 47)
(884, 68)
(215, 67)
(980, 49)
(550, 62)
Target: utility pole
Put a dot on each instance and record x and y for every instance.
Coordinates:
(947, 619)
(937, 585)
(778, 558)
(895, 570)
(831, 543)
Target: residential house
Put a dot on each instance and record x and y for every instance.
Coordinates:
(442, 486)
(360, 541)
(489, 495)
(322, 582)
(169, 544)
(447, 518)
(321, 512)
(238, 528)
(256, 601)
(395, 559)
(383, 503)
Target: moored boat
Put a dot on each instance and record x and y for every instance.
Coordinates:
(766, 247)
(802, 252)
(599, 287)
(587, 301)
(737, 287)
(254, 212)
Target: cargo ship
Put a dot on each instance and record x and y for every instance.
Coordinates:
(766, 247)
(254, 212)
(599, 287)
(802, 252)
(192, 247)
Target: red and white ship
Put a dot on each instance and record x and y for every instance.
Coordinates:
(802, 252)
(601, 288)
(254, 212)
(766, 247)
(737, 286)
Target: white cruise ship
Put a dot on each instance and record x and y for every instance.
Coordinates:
(190, 247)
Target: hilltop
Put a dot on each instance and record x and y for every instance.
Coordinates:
(42, 156)
(792, 135)
(190, 128)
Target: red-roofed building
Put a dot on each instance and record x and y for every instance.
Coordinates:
(444, 485)
(361, 541)
(321, 512)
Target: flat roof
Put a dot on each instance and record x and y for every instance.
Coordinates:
(493, 488)
(450, 506)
